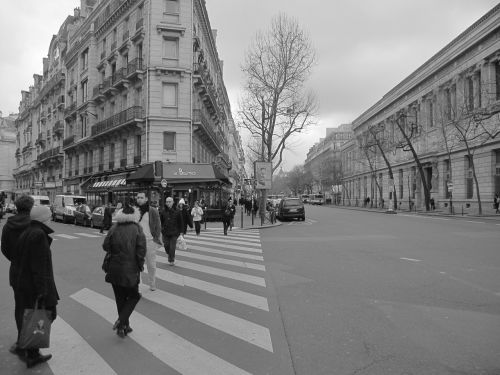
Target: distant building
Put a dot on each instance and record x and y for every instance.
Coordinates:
(459, 85)
(7, 149)
(324, 159)
(125, 84)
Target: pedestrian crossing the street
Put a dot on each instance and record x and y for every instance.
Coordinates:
(209, 314)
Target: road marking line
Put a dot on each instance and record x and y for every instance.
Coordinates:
(69, 344)
(475, 222)
(88, 235)
(244, 234)
(213, 241)
(65, 236)
(411, 259)
(168, 347)
(231, 262)
(225, 292)
(225, 238)
(232, 325)
(224, 246)
(225, 252)
(260, 281)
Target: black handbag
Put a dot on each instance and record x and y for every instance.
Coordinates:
(35, 331)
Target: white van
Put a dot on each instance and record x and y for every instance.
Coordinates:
(41, 200)
(64, 207)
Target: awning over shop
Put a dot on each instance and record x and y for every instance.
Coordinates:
(109, 183)
(180, 173)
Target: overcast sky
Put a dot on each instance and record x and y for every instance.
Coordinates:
(364, 48)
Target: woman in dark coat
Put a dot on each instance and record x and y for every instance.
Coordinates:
(36, 275)
(107, 218)
(126, 243)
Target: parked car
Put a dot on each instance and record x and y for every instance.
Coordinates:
(41, 200)
(97, 217)
(291, 208)
(10, 208)
(82, 215)
(64, 207)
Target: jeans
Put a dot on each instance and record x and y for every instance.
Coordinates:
(150, 277)
(126, 299)
(197, 227)
(170, 243)
(226, 223)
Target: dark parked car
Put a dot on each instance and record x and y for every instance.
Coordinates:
(291, 208)
(97, 217)
(82, 215)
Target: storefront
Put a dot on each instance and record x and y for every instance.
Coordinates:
(203, 182)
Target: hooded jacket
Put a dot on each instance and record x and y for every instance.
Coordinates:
(11, 232)
(127, 244)
(36, 274)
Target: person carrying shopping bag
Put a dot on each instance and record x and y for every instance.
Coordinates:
(125, 247)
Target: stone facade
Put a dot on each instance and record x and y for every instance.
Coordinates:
(139, 81)
(457, 90)
(7, 149)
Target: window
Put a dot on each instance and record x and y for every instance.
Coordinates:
(124, 149)
(169, 141)
(447, 95)
(479, 89)
(172, 6)
(84, 125)
(84, 59)
(400, 184)
(137, 151)
(497, 171)
(112, 152)
(171, 48)
(85, 158)
(103, 48)
(469, 86)
(497, 79)
(101, 155)
(169, 95)
(447, 178)
(84, 91)
(91, 161)
(468, 177)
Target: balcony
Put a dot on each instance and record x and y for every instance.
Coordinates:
(134, 67)
(68, 141)
(111, 165)
(137, 159)
(125, 36)
(70, 109)
(40, 140)
(113, 46)
(119, 78)
(139, 24)
(123, 163)
(98, 92)
(53, 152)
(60, 101)
(103, 55)
(58, 128)
(130, 116)
(206, 131)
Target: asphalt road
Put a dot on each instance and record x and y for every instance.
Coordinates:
(345, 292)
(371, 293)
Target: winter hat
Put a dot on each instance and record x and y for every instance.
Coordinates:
(40, 213)
(182, 201)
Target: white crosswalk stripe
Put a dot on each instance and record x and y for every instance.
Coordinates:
(219, 283)
(165, 345)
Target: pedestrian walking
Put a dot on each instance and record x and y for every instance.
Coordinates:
(496, 202)
(35, 283)
(433, 204)
(11, 232)
(171, 228)
(125, 244)
(187, 219)
(108, 218)
(233, 212)
(197, 214)
(226, 216)
(151, 226)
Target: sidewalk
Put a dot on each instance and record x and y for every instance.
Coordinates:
(247, 223)
(439, 212)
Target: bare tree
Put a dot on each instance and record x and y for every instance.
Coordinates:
(370, 152)
(275, 105)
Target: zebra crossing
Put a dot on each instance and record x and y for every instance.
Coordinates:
(209, 313)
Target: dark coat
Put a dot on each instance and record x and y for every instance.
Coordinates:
(36, 274)
(228, 213)
(171, 222)
(11, 231)
(127, 244)
(187, 219)
(108, 217)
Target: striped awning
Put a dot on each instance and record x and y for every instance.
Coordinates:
(110, 183)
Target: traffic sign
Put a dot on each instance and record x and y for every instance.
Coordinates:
(163, 183)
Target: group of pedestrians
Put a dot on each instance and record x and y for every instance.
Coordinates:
(130, 244)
